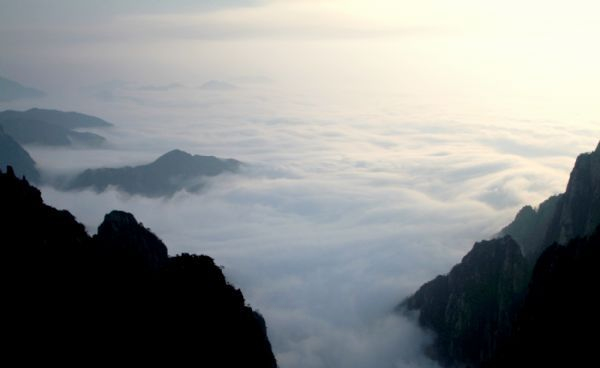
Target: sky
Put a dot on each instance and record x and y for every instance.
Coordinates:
(382, 139)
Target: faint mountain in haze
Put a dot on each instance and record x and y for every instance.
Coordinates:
(116, 296)
(64, 119)
(217, 85)
(484, 312)
(11, 90)
(174, 171)
(161, 87)
(12, 154)
(52, 127)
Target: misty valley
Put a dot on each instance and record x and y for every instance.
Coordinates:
(508, 302)
(300, 183)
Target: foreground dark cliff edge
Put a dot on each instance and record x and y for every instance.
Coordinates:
(559, 320)
(479, 310)
(12, 154)
(116, 297)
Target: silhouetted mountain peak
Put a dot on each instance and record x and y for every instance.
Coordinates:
(123, 234)
(175, 155)
(73, 293)
(119, 220)
(171, 172)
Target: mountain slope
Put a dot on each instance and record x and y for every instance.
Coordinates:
(579, 213)
(563, 217)
(27, 131)
(51, 127)
(452, 305)
(559, 318)
(64, 119)
(531, 226)
(11, 153)
(11, 90)
(473, 306)
(171, 172)
(118, 296)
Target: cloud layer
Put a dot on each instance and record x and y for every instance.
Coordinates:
(340, 213)
(383, 138)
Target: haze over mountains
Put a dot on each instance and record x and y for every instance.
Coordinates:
(379, 142)
(11, 90)
(217, 85)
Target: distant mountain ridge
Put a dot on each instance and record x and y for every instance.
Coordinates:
(11, 90)
(175, 170)
(65, 119)
(217, 85)
(116, 296)
(52, 127)
(478, 310)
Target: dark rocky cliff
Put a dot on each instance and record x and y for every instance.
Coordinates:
(115, 298)
(557, 325)
(563, 217)
(579, 212)
(483, 311)
(472, 307)
(531, 226)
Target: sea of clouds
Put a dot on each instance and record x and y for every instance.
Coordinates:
(341, 211)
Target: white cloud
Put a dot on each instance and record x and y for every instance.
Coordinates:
(341, 212)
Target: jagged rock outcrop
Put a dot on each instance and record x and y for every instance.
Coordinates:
(563, 217)
(11, 153)
(175, 170)
(71, 299)
(120, 234)
(579, 211)
(472, 307)
(476, 321)
(531, 226)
